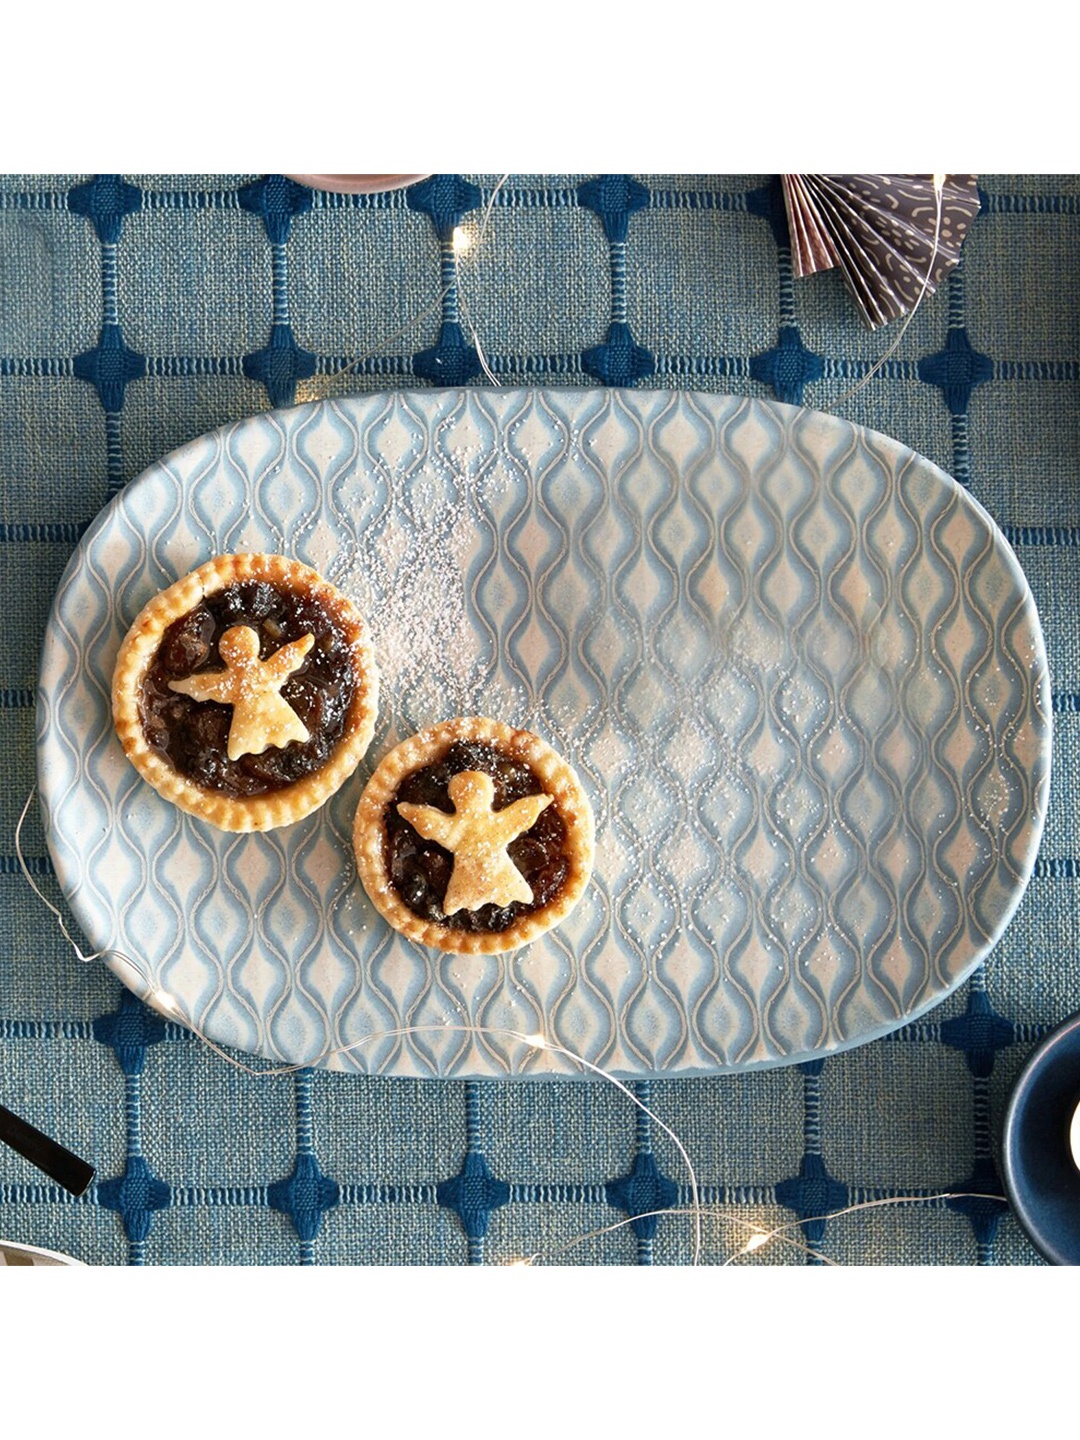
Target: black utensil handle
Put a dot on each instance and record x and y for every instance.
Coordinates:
(59, 1164)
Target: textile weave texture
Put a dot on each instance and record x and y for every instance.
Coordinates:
(138, 312)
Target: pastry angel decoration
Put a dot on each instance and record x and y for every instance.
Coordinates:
(261, 717)
(477, 836)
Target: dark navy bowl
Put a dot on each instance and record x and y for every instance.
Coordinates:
(1041, 1177)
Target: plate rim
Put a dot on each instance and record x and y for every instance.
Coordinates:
(59, 1256)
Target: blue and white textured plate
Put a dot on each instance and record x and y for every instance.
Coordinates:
(797, 667)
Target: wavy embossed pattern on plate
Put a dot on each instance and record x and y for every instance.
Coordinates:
(797, 667)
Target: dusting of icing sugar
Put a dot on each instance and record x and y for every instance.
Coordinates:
(691, 748)
(409, 575)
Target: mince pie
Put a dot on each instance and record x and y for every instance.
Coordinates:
(247, 693)
(473, 836)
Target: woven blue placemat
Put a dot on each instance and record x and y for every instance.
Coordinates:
(139, 311)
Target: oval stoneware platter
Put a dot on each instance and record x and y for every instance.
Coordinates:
(796, 666)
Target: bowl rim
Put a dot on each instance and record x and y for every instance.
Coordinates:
(1034, 1063)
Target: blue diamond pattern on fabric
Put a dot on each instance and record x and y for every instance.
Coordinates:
(135, 1195)
(641, 1192)
(71, 237)
(984, 1214)
(305, 1196)
(276, 199)
(129, 1031)
(110, 367)
(614, 198)
(956, 370)
(811, 1194)
(788, 367)
(105, 201)
(620, 361)
(445, 198)
(451, 361)
(280, 365)
(473, 1193)
(979, 1033)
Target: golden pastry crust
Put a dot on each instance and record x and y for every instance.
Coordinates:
(557, 780)
(277, 807)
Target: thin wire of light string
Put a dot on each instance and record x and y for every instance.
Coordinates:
(938, 182)
(168, 1005)
(462, 302)
(98, 954)
(758, 1238)
(435, 305)
(717, 1213)
(763, 1237)
(165, 1003)
(389, 339)
(939, 189)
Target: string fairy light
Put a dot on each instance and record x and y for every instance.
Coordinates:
(717, 1213)
(460, 249)
(166, 1004)
(758, 1238)
(535, 1041)
(64, 931)
(311, 388)
(462, 243)
(938, 182)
